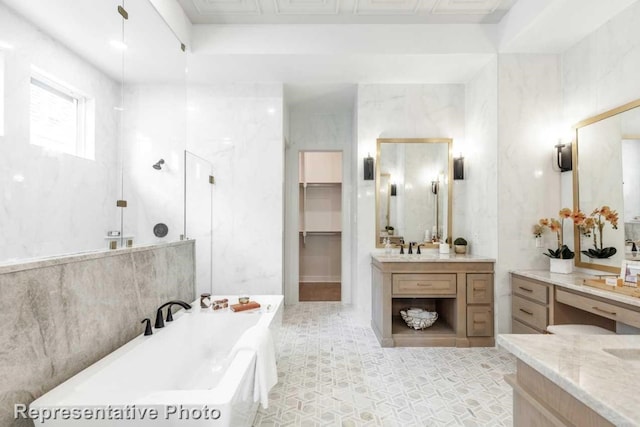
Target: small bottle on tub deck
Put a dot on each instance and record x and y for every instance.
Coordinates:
(205, 300)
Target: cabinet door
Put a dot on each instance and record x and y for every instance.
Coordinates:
(530, 289)
(424, 284)
(479, 321)
(520, 328)
(529, 312)
(479, 288)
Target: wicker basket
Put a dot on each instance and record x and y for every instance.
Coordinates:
(418, 318)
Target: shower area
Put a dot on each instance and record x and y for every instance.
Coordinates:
(198, 219)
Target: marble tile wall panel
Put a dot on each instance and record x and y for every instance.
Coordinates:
(312, 130)
(154, 128)
(62, 315)
(600, 73)
(53, 203)
(239, 129)
(479, 189)
(397, 111)
(529, 106)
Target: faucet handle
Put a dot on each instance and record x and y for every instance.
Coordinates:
(169, 314)
(159, 321)
(147, 329)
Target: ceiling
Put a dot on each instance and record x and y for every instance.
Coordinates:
(345, 11)
(376, 46)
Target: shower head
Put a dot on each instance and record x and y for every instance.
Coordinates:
(159, 164)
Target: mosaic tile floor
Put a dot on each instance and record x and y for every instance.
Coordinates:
(332, 372)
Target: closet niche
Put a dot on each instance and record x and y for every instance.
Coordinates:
(320, 236)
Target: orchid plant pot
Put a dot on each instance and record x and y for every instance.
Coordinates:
(559, 265)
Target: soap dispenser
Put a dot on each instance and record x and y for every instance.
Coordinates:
(387, 246)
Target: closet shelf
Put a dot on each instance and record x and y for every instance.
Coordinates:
(321, 231)
(321, 184)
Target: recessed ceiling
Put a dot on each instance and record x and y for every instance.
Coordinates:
(346, 11)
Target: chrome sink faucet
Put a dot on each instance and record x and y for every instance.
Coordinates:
(159, 319)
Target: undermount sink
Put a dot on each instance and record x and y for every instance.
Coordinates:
(632, 354)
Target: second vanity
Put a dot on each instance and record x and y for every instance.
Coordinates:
(587, 380)
(458, 287)
(541, 298)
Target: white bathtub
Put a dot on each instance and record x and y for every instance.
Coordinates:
(183, 374)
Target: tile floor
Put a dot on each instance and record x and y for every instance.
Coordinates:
(332, 372)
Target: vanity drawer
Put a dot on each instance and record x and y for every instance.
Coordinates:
(479, 321)
(479, 288)
(520, 328)
(603, 309)
(530, 289)
(529, 312)
(424, 284)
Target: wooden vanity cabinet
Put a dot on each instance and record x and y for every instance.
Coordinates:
(529, 305)
(535, 304)
(460, 292)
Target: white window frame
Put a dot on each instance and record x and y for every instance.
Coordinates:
(85, 111)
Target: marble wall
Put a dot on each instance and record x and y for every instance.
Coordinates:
(61, 315)
(311, 130)
(599, 73)
(529, 110)
(478, 192)
(397, 111)
(154, 127)
(239, 129)
(45, 193)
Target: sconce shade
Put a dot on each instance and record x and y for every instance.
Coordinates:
(458, 168)
(394, 189)
(369, 171)
(563, 157)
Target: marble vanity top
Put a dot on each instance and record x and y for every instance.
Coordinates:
(429, 257)
(574, 281)
(602, 371)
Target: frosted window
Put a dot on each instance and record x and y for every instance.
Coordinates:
(58, 117)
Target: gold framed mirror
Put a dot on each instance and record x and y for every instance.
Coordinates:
(419, 174)
(606, 155)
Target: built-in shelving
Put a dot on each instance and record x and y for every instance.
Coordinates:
(320, 219)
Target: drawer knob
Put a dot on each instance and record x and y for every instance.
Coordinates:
(612, 313)
(526, 289)
(526, 312)
(424, 284)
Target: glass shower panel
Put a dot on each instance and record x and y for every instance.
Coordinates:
(154, 128)
(198, 205)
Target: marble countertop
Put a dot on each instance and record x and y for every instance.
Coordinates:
(574, 281)
(429, 257)
(580, 365)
